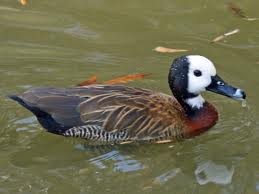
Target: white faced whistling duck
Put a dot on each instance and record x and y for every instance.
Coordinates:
(120, 114)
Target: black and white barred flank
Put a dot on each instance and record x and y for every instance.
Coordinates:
(94, 132)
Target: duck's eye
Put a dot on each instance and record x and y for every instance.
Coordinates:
(197, 73)
(220, 83)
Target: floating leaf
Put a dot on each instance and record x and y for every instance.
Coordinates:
(251, 19)
(161, 49)
(91, 80)
(218, 38)
(231, 32)
(126, 78)
(236, 10)
(23, 2)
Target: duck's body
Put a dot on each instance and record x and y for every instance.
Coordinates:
(115, 113)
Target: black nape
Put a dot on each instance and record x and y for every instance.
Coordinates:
(178, 82)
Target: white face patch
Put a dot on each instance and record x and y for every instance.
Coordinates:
(195, 102)
(200, 71)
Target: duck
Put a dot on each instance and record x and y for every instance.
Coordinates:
(124, 114)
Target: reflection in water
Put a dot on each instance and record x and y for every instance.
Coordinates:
(27, 120)
(123, 163)
(257, 186)
(26, 124)
(215, 173)
(167, 176)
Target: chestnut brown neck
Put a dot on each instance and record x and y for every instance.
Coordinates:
(200, 120)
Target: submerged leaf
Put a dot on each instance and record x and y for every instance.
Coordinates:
(161, 49)
(218, 38)
(91, 80)
(118, 80)
(23, 2)
(236, 10)
(126, 78)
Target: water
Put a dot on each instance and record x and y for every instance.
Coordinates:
(61, 43)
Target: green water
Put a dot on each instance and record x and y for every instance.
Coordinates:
(61, 43)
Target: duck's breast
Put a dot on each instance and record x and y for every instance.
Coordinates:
(201, 121)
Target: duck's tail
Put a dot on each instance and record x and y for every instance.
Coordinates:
(44, 118)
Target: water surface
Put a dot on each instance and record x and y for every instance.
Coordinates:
(61, 43)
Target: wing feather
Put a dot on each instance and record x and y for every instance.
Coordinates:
(139, 113)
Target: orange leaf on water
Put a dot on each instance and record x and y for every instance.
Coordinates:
(23, 2)
(161, 49)
(126, 78)
(90, 81)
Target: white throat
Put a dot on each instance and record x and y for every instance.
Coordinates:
(195, 102)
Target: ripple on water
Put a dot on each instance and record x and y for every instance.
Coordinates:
(79, 31)
(38, 51)
(46, 21)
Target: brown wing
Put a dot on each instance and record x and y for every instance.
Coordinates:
(138, 113)
(142, 114)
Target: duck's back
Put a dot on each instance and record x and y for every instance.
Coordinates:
(106, 112)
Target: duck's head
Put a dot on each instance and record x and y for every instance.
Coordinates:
(190, 75)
